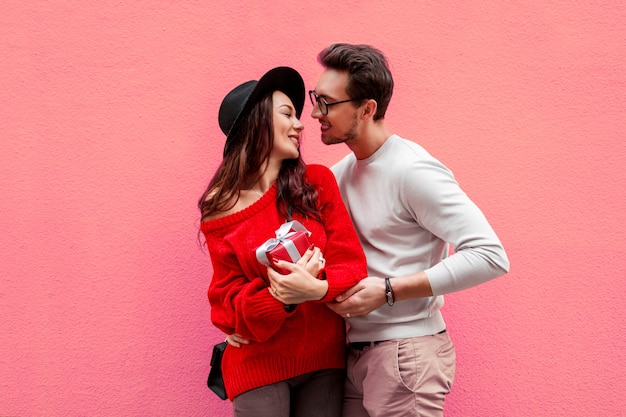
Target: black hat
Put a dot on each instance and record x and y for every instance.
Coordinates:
(240, 100)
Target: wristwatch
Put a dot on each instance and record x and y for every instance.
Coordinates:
(389, 292)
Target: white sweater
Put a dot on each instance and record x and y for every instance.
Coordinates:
(407, 208)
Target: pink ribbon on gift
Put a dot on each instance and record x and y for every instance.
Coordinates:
(282, 234)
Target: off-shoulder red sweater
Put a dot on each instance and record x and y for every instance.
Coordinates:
(283, 344)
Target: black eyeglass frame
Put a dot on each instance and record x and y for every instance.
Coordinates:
(315, 99)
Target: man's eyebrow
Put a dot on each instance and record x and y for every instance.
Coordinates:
(326, 96)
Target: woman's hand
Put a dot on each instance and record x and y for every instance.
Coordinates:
(236, 340)
(301, 283)
(312, 261)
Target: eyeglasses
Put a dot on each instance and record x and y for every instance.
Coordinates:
(323, 104)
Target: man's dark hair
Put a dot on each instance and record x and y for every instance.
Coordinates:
(369, 76)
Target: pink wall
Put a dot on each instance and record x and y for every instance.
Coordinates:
(109, 134)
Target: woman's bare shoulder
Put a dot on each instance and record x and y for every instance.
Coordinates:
(236, 203)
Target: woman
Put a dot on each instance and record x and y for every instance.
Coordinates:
(294, 361)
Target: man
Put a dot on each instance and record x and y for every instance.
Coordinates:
(407, 209)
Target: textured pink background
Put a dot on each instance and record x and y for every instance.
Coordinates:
(108, 126)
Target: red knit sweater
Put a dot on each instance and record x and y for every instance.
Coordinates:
(282, 344)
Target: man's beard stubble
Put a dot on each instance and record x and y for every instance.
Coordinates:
(349, 136)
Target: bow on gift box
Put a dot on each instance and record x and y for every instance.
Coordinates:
(292, 236)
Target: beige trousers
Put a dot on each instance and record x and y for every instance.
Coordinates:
(400, 377)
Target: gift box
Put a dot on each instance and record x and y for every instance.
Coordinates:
(290, 243)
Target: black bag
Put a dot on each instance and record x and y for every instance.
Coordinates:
(215, 381)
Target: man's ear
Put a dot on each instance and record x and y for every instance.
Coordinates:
(369, 109)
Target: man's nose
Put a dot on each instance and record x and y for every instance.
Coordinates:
(316, 113)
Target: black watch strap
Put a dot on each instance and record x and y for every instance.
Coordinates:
(389, 292)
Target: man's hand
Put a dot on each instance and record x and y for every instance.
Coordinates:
(362, 299)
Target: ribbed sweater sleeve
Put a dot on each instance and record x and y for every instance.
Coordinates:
(345, 259)
(240, 301)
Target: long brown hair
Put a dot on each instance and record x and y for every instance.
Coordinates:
(243, 166)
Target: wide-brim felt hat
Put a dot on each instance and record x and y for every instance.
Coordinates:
(240, 100)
